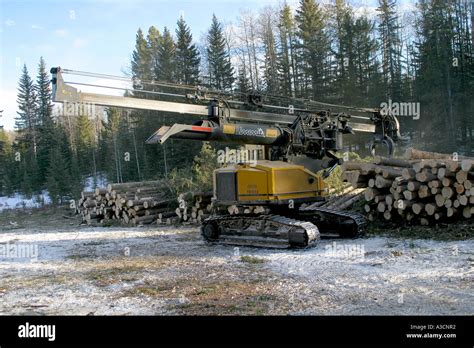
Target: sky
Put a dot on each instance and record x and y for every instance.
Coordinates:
(95, 36)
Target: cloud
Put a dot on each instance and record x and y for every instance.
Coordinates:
(37, 27)
(9, 22)
(80, 42)
(61, 33)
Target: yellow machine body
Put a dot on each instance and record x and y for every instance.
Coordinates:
(267, 182)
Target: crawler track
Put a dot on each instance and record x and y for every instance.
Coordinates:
(298, 230)
(271, 231)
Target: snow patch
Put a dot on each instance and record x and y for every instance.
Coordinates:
(17, 201)
(90, 184)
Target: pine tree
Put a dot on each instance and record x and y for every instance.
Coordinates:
(203, 168)
(84, 144)
(153, 40)
(243, 85)
(221, 72)
(110, 151)
(43, 91)
(463, 53)
(27, 127)
(146, 66)
(366, 66)
(354, 79)
(58, 178)
(166, 58)
(434, 84)
(27, 121)
(141, 61)
(286, 56)
(5, 152)
(390, 41)
(343, 76)
(313, 48)
(187, 56)
(46, 124)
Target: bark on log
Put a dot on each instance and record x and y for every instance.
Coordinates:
(394, 162)
(408, 173)
(410, 195)
(413, 186)
(418, 154)
(380, 182)
(425, 176)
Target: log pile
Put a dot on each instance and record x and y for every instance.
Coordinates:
(422, 188)
(134, 203)
(340, 200)
(194, 207)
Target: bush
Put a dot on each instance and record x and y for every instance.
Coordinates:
(334, 180)
(199, 178)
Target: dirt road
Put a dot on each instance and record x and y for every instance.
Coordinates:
(155, 270)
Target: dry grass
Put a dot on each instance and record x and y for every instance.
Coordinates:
(38, 218)
(252, 259)
(217, 297)
(461, 230)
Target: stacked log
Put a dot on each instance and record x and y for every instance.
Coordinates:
(421, 188)
(341, 199)
(194, 207)
(134, 203)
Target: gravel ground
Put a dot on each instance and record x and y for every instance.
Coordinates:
(156, 270)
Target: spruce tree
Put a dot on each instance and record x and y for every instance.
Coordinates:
(146, 66)
(187, 56)
(141, 61)
(27, 124)
(5, 151)
(84, 144)
(221, 72)
(203, 168)
(153, 40)
(243, 85)
(435, 75)
(166, 58)
(43, 91)
(27, 121)
(58, 178)
(46, 124)
(286, 56)
(344, 75)
(390, 42)
(313, 44)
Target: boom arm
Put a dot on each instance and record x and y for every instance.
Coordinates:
(284, 130)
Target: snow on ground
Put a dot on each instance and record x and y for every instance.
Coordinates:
(168, 270)
(21, 201)
(38, 200)
(389, 276)
(91, 183)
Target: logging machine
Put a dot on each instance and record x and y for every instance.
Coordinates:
(273, 190)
